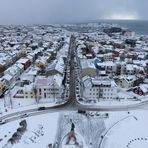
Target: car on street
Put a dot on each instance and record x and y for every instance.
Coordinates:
(24, 115)
(42, 108)
(77, 88)
(2, 122)
(80, 99)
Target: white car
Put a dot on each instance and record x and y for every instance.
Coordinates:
(2, 122)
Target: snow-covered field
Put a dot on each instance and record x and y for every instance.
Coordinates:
(41, 131)
(118, 129)
(127, 131)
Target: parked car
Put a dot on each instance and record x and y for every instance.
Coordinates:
(2, 122)
(24, 115)
(41, 108)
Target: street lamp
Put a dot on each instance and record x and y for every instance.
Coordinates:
(4, 101)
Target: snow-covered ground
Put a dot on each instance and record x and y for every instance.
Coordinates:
(126, 131)
(111, 103)
(41, 131)
(118, 129)
(25, 106)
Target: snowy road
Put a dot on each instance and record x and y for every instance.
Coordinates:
(71, 106)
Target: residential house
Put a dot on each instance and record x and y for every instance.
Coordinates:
(57, 67)
(13, 71)
(130, 69)
(29, 91)
(49, 87)
(99, 88)
(8, 79)
(24, 61)
(141, 90)
(88, 68)
(126, 82)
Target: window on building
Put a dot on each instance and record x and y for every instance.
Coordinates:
(44, 95)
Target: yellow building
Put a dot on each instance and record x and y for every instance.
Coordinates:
(88, 68)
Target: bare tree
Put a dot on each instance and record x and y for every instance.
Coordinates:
(35, 94)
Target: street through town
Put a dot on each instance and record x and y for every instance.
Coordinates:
(72, 104)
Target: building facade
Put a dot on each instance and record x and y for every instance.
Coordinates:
(49, 87)
(96, 89)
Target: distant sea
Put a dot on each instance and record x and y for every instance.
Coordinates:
(138, 26)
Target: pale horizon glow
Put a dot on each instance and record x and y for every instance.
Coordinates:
(123, 17)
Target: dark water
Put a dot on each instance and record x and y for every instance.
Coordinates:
(140, 27)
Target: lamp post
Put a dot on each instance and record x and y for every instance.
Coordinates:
(4, 101)
(11, 103)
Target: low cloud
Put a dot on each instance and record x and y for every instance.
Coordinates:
(61, 11)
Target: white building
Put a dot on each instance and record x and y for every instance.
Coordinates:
(109, 67)
(14, 71)
(28, 91)
(8, 79)
(99, 88)
(130, 69)
(49, 87)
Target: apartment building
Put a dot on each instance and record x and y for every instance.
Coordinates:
(99, 88)
(49, 87)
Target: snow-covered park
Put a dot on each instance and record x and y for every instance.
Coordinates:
(127, 131)
(41, 131)
(91, 130)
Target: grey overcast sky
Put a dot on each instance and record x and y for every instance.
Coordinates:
(57, 11)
